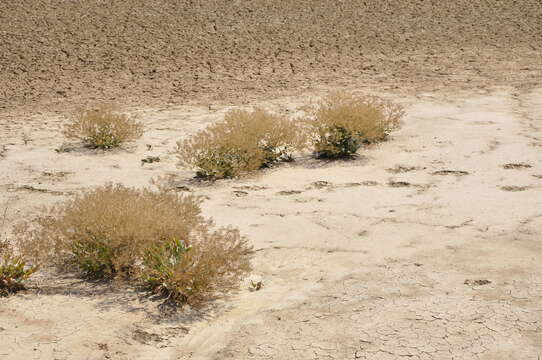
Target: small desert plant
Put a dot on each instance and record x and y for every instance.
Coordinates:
(14, 270)
(195, 270)
(105, 231)
(103, 128)
(244, 141)
(159, 237)
(342, 122)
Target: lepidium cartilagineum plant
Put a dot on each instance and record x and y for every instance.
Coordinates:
(243, 142)
(158, 238)
(104, 127)
(343, 122)
(14, 270)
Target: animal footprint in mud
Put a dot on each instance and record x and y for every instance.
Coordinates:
(63, 149)
(450, 172)
(289, 192)
(322, 184)
(517, 166)
(240, 193)
(183, 188)
(250, 187)
(398, 169)
(308, 199)
(150, 160)
(56, 176)
(482, 123)
(144, 337)
(362, 233)
(399, 184)
(514, 188)
(352, 184)
(363, 183)
(479, 282)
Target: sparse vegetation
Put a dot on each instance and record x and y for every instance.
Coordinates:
(342, 122)
(244, 141)
(14, 270)
(159, 237)
(102, 128)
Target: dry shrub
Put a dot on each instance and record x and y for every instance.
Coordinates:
(342, 122)
(211, 262)
(102, 128)
(115, 232)
(14, 270)
(244, 141)
(105, 231)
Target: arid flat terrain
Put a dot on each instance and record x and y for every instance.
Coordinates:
(159, 52)
(425, 246)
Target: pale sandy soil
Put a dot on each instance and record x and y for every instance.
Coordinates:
(425, 247)
(376, 258)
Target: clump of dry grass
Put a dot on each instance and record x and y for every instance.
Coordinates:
(102, 128)
(244, 141)
(158, 237)
(342, 122)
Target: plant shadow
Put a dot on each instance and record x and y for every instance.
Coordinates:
(121, 296)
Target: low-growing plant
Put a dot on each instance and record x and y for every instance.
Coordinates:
(14, 271)
(342, 122)
(244, 141)
(104, 127)
(158, 237)
(105, 231)
(193, 271)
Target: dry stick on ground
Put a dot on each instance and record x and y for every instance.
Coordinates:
(4, 217)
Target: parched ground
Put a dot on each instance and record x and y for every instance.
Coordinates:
(61, 53)
(427, 246)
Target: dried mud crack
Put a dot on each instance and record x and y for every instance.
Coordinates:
(416, 318)
(426, 246)
(158, 52)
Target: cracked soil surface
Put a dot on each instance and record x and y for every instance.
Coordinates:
(417, 249)
(154, 52)
(427, 246)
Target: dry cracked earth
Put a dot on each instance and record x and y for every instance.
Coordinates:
(424, 247)
(427, 246)
(60, 53)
